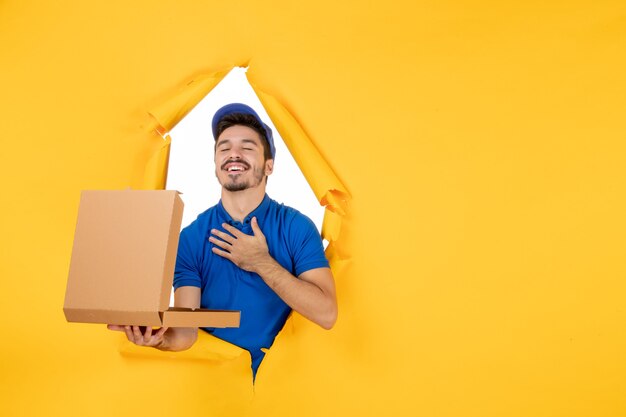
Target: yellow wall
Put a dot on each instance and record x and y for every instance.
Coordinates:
(483, 146)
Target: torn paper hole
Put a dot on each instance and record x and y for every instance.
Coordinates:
(191, 169)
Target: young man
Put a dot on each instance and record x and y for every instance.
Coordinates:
(248, 252)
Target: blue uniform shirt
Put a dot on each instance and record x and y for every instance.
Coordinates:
(293, 241)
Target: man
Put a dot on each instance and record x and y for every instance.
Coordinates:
(248, 252)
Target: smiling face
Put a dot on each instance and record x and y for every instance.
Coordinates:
(239, 159)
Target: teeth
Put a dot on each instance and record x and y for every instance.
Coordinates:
(235, 169)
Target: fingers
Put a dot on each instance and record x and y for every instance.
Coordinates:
(222, 253)
(224, 236)
(116, 327)
(233, 230)
(255, 227)
(148, 338)
(230, 237)
(129, 333)
(137, 335)
(147, 335)
(220, 243)
(161, 332)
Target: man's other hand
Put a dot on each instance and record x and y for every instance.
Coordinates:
(248, 252)
(140, 336)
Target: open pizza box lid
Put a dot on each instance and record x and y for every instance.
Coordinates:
(123, 261)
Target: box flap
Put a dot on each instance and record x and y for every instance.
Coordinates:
(124, 251)
(184, 317)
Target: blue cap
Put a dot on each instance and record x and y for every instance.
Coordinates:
(242, 108)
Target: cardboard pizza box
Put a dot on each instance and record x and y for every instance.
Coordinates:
(123, 261)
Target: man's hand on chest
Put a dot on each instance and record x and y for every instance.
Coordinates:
(248, 252)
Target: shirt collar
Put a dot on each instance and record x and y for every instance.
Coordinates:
(258, 212)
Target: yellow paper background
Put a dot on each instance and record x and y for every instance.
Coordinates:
(482, 145)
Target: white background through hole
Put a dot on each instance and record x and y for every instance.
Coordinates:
(191, 169)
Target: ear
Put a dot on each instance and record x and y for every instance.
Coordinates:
(269, 166)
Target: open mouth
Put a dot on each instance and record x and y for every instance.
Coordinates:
(235, 167)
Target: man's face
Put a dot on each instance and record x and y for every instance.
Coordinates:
(239, 160)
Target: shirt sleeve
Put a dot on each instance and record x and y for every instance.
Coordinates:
(308, 250)
(187, 270)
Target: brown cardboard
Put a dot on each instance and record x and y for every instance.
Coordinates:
(123, 261)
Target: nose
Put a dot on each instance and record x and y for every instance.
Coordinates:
(234, 153)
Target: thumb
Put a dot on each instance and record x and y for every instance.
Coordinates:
(255, 227)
